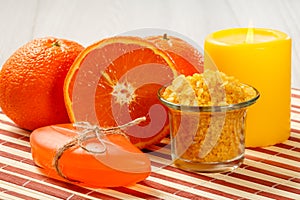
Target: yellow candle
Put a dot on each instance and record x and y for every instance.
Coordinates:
(261, 58)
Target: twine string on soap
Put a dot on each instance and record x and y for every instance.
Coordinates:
(89, 131)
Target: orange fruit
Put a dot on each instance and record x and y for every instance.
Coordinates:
(187, 58)
(31, 82)
(115, 81)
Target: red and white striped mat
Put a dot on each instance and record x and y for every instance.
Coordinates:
(267, 173)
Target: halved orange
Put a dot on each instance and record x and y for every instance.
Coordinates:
(115, 81)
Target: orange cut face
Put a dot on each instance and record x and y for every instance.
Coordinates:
(116, 81)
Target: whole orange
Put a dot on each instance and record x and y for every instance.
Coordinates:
(31, 82)
(187, 58)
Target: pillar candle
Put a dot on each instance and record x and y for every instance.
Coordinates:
(261, 58)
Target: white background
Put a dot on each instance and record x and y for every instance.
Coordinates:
(87, 21)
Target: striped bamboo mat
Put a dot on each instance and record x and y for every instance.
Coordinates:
(267, 173)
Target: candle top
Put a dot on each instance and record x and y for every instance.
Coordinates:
(246, 36)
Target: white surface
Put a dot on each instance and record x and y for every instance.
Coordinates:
(87, 21)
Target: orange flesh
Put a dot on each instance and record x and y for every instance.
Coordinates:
(125, 74)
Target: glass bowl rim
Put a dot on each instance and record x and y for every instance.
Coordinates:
(222, 108)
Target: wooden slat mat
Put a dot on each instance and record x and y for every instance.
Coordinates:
(267, 173)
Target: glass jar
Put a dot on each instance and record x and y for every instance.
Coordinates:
(207, 138)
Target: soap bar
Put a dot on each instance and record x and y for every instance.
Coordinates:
(121, 164)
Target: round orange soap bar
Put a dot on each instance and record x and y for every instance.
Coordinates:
(121, 164)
